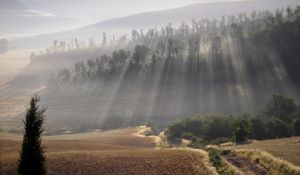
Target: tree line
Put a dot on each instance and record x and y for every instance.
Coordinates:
(279, 118)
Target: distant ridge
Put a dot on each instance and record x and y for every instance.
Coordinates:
(145, 20)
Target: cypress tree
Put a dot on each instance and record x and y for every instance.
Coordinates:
(32, 159)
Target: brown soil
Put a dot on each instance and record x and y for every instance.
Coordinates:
(115, 152)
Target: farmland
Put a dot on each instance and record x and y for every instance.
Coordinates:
(119, 151)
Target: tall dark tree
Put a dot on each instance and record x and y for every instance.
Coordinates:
(32, 159)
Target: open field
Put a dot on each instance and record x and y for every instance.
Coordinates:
(112, 152)
(287, 149)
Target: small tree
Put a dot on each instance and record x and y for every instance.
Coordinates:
(242, 130)
(32, 159)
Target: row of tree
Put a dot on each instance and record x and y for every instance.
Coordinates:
(280, 118)
(207, 46)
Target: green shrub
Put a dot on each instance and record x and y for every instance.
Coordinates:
(242, 130)
(187, 135)
(278, 128)
(216, 159)
(174, 131)
(217, 126)
(296, 126)
(259, 128)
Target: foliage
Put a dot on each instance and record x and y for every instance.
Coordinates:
(296, 126)
(259, 128)
(280, 107)
(242, 130)
(32, 159)
(216, 129)
(278, 128)
(210, 127)
(217, 126)
(222, 167)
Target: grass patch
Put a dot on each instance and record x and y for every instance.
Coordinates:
(273, 165)
(222, 166)
(286, 148)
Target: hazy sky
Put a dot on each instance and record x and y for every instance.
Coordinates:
(30, 17)
(97, 10)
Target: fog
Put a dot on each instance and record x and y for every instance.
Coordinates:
(32, 17)
(37, 22)
(169, 73)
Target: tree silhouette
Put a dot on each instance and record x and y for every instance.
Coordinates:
(32, 159)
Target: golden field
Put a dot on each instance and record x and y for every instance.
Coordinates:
(112, 152)
(287, 148)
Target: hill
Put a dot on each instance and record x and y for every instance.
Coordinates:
(119, 26)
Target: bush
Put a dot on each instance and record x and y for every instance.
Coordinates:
(259, 129)
(174, 131)
(242, 130)
(214, 157)
(221, 166)
(278, 128)
(187, 135)
(296, 126)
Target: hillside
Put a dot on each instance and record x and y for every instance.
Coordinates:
(210, 66)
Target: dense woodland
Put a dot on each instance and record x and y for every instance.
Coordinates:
(231, 65)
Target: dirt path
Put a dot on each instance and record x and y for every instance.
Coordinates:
(245, 165)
